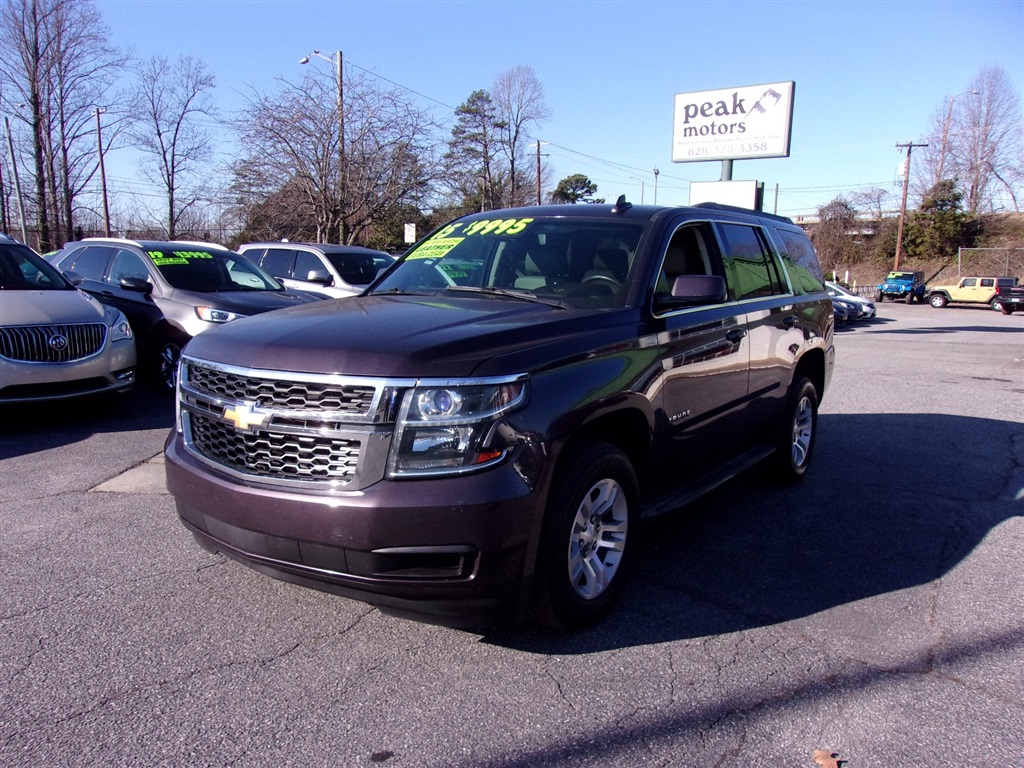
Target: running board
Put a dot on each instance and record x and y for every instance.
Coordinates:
(690, 493)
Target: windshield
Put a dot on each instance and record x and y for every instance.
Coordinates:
(358, 268)
(22, 270)
(203, 270)
(575, 262)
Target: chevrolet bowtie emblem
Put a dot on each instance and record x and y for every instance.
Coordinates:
(245, 416)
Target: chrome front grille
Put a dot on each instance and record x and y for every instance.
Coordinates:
(272, 392)
(318, 431)
(274, 455)
(52, 343)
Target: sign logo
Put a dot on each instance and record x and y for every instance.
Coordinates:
(58, 342)
(747, 122)
(245, 416)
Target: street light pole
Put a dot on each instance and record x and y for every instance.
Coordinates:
(103, 172)
(945, 135)
(656, 172)
(17, 182)
(636, 178)
(340, 105)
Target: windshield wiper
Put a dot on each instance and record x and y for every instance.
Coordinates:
(521, 295)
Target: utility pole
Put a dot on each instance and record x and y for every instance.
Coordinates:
(903, 206)
(656, 172)
(103, 172)
(539, 142)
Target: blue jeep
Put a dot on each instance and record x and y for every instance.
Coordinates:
(903, 286)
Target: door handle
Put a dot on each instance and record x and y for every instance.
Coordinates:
(735, 335)
(789, 321)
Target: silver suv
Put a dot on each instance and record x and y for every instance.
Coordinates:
(331, 270)
(172, 291)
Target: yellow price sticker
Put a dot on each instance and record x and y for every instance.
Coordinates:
(435, 248)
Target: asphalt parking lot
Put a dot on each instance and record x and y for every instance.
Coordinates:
(876, 612)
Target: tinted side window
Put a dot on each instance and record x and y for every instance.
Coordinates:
(92, 262)
(278, 261)
(970, 282)
(127, 264)
(987, 282)
(306, 262)
(750, 269)
(801, 262)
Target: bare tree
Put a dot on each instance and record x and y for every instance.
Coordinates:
(831, 236)
(872, 201)
(976, 140)
(519, 100)
(56, 63)
(172, 102)
(289, 145)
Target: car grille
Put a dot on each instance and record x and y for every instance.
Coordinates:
(275, 455)
(286, 429)
(281, 393)
(52, 343)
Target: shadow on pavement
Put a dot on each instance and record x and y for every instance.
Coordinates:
(30, 428)
(889, 504)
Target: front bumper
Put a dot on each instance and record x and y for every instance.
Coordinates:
(456, 551)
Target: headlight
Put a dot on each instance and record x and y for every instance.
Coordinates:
(446, 428)
(214, 315)
(120, 330)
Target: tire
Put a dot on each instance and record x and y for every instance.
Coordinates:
(938, 301)
(996, 304)
(583, 550)
(794, 442)
(879, 296)
(167, 364)
(1006, 309)
(909, 298)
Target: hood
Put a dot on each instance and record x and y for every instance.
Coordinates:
(46, 307)
(397, 336)
(242, 302)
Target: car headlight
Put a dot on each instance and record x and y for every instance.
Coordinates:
(446, 428)
(120, 329)
(214, 315)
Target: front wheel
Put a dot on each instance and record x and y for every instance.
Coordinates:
(879, 296)
(170, 352)
(583, 549)
(938, 300)
(794, 442)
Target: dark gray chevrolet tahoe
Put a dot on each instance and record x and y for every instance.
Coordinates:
(474, 439)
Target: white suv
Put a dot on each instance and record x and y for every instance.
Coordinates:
(330, 270)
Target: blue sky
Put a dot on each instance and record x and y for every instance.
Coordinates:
(868, 75)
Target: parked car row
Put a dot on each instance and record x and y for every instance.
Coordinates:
(847, 306)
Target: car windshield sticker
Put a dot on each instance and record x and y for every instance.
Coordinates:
(443, 241)
(435, 247)
(162, 259)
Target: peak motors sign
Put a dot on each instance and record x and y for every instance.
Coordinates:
(733, 123)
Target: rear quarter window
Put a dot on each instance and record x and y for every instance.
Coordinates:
(801, 262)
(751, 271)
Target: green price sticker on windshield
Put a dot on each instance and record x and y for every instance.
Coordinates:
(435, 248)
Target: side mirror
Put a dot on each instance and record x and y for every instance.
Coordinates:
(136, 284)
(319, 276)
(74, 278)
(693, 290)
